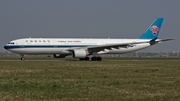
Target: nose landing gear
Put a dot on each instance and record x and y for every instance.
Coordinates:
(22, 57)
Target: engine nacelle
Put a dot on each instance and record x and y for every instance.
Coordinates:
(79, 53)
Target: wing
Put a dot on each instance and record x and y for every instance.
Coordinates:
(112, 46)
(99, 48)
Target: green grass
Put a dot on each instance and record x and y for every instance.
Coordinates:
(127, 79)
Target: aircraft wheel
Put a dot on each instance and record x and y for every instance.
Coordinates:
(86, 58)
(22, 58)
(99, 58)
(93, 59)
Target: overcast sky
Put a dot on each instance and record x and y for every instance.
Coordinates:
(89, 19)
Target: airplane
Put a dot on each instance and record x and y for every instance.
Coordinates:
(82, 48)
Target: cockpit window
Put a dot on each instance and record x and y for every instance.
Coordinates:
(11, 43)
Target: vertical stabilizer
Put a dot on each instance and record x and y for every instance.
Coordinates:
(153, 30)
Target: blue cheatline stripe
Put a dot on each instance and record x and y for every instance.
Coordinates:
(43, 46)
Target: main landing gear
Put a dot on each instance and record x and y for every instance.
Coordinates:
(96, 59)
(92, 59)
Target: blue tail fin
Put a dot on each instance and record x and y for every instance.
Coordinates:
(153, 30)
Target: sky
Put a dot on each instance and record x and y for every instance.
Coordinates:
(89, 19)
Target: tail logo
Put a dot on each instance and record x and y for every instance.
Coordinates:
(154, 30)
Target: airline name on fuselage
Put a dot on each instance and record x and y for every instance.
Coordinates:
(59, 41)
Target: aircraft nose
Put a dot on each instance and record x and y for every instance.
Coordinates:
(6, 47)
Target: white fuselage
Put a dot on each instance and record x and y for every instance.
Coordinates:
(61, 45)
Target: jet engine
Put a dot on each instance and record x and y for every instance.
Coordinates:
(80, 53)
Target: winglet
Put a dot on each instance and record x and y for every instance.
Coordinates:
(153, 30)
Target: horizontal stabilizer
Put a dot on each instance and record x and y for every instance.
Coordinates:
(152, 42)
(160, 40)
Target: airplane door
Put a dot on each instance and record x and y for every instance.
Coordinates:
(22, 43)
